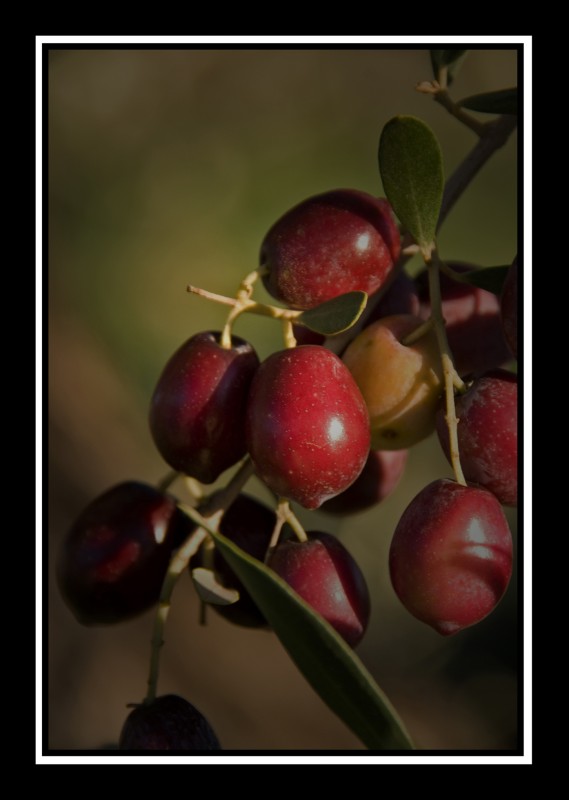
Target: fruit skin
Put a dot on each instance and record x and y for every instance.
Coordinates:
(306, 336)
(197, 410)
(114, 558)
(325, 575)
(307, 425)
(488, 434)
(400, 298)
(400, 384)
(340, 241)
(168, 723)
(378, 479)
(249, 524)
(472, 321)
(509, 307)
(450, 560)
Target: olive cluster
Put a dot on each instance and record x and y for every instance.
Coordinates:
(326, 432)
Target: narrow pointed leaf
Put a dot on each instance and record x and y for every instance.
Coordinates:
(489, 278)
(411, 167)
(334, 316)
(446, 58)
(504, 101)
(210, 590)
(326, 661)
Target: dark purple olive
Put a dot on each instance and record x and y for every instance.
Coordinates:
(249, 524)
(197, 413)
(114, 558)
(168, 723)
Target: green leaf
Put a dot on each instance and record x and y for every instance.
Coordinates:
(334, 316)
(489, 278)
(210, 590)
(504, 101)
(326, 661)
(411, 167)
(451, 59)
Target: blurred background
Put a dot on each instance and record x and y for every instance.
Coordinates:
(168, 167)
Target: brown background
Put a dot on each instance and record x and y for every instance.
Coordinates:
(167, 167)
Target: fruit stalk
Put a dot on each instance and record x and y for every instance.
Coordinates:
(290, 517)
(285, 514)
(288, 334)
(242, 304)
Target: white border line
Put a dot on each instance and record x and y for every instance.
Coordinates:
(527, 222)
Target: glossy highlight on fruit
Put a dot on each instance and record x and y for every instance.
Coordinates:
(451, 555)
(114, 558)
(340, 241)
(327, 577)
(307, 425)
(401, 384)
(488, 434)
(168, 723)
(197, 411)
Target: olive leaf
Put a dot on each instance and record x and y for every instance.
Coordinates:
(504, 101)
(489, 278)
(452, 59)
(334, 316)
(330, 666)
(210, 590)
(411, 168)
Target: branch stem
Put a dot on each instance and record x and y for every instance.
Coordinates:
(178, 564)
(495, 136)
(445, 100)
(206, 521)
(449, 371)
